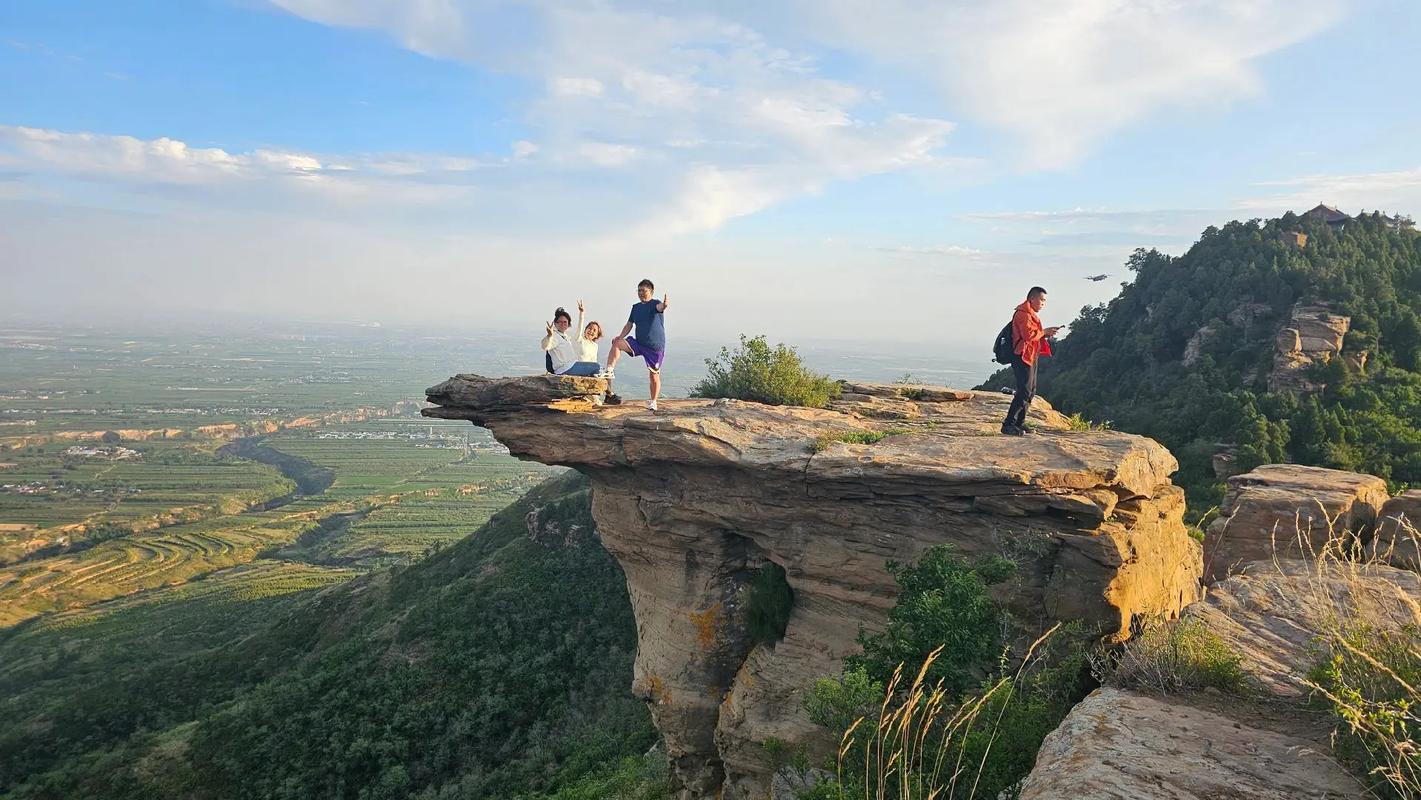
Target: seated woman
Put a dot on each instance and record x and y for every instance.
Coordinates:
(563, 353)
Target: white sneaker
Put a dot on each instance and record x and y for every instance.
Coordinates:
(651, 405)
(605, 373)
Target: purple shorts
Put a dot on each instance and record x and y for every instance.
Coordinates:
(653, 357)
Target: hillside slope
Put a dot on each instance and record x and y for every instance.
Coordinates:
(497, 667)
(1184, 354)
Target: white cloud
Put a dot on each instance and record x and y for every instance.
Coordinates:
(934, 250)
(577, 87)
(603, 154)
(1062, 76)
(703, 118)
(1390, 191)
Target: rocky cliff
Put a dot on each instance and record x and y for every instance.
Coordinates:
(1313, 335)
(693, 500)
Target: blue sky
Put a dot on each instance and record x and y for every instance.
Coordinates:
(892, 171)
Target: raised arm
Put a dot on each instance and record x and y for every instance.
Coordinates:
(579, 320)
(548, 343)
(664, 304)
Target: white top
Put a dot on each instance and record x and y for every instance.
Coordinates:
(563, 351)
(586, 348)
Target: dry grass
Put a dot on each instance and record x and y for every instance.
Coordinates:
(1369, 635)
(1168, 657)
(1371, 665)
(908, 749)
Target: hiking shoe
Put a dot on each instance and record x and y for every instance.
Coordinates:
(1012, 430)
(612, 399)
(1027, 428)
(651, 405)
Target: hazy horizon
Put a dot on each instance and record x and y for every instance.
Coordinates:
(801, 170)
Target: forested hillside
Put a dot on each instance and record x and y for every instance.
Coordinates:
(1224, 302)
(498, 667)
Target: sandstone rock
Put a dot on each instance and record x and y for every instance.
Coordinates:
(1272, 614)
(1312, 335)
(1195, 346)
(693, 499)
(1398, 534)
(1293, 508)
(1120, 745)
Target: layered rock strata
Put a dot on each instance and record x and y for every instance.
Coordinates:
(1313, 335)
(1398, 531)
(694, 499)
(1289, 511)
(1123, 744)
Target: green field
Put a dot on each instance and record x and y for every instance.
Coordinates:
(117, 479)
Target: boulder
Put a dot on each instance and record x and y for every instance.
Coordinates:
(1312, 335)
(1120, 745)
(1288, 510)
(1398, 531)
(694, 499)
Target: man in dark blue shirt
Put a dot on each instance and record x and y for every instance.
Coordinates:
(649, 342)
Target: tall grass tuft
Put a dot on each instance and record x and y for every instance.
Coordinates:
(1370, 673)
(925, 742)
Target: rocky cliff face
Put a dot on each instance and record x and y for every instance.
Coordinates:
(1290, 511)
(693, 500)
(1313, 335)
(1264, 744)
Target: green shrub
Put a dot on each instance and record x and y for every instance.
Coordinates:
(761, 374)
(943, 602)
(1369, 681)
(767, 611)
(938, 705)
(1080, 423)
(1172, 657)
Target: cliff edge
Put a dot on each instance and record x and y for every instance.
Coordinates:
(693, 500)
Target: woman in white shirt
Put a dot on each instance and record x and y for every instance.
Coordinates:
(571, 355)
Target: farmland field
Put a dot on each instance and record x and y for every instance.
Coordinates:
(143, 463)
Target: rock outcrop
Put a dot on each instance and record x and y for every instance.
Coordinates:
(1313, 335)
(694, 499)
(1288, 511)
(1398, 531)
(1121, 743)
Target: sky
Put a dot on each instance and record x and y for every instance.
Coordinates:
(882, 173)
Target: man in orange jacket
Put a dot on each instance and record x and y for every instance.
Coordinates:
(1029, 342)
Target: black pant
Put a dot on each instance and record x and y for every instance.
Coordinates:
(1025, 390)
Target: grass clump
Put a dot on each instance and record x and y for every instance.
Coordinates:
(759, 373)
(826, 440)
(1171, 657)
(940, 704)
(769, 604)
(1370, 680)
(1080, 423)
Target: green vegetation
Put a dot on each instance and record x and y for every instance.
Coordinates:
(1076, 422)
(496, 667)
(762, 374)
(1172, 657)
(1229, 295)
(944, 602)
(941, 703)
(770, 601)
(1369, 681)
(850, 437)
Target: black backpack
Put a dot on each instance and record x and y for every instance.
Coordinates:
(1002, 348)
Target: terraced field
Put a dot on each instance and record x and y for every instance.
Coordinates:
(410, 496)
(51, 495)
